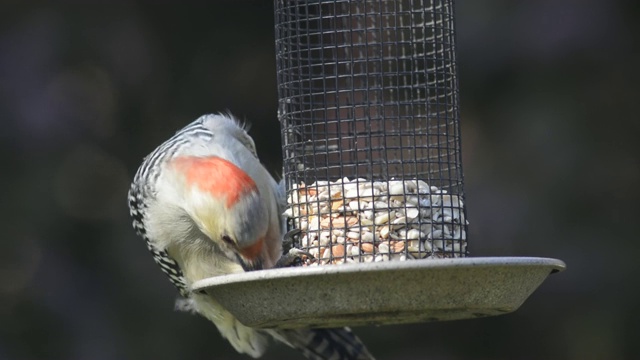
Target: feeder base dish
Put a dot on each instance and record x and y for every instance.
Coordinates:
(379, 293)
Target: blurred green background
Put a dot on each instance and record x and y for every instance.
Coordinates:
(550, 143)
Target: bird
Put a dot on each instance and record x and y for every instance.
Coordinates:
(206, 206)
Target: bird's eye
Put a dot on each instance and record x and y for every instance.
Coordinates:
(228, 240)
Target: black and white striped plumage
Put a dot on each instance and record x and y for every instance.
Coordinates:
(143, 188)
(206, 207)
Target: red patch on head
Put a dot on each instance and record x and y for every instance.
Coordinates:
(252, 252)
(216, 176)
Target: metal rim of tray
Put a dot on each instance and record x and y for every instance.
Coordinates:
(379, 293)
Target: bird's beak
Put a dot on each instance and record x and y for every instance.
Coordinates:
(249, 256)
(252, 252)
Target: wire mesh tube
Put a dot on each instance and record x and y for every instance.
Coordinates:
(368, 104)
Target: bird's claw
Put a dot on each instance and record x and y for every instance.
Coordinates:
(289, 239)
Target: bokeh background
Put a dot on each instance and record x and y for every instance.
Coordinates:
(550, 143)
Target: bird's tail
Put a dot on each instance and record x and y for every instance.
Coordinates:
(324, 344)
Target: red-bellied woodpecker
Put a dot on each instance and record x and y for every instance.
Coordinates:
(206, 207)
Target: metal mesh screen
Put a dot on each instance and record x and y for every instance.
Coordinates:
(368, 91)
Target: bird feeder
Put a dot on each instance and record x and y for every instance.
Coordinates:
(369, 110)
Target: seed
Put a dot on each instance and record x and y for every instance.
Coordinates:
(400, 220)
(398, 246)
(367, 236)
(336, 204)
(337, 250)
(414, 234)
(367, 247)
(353, 235)
(397, 188)
(412, 213)
(344, 219)
(384, 217)
(384, 232)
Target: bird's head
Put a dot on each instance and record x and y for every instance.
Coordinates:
(224, 202)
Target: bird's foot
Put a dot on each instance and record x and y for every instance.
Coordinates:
(290, 239)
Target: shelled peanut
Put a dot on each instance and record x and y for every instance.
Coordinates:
(358, 220)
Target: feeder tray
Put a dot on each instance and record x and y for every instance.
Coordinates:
(368, 106)
(379, 293)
